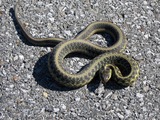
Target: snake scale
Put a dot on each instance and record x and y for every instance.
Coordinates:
(109, 61)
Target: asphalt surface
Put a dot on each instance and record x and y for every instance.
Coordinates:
(26, 89)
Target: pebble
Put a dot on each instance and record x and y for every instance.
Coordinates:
(1, 115)
(22, 65)
(11, 86)
(139, 22)
(100, 90)
(74, 114)
(158, 86)
(49, 109)
(64, 107)
(15, 58)
(21, 57)
(29, 76)
(157, 60)
(144, 109)
(139, 95)
(1, 63)
(31, 55)
(4, 72)
(80, 64)
(45, 94)
(50, 35)
(114, 96)
(16, 78)
(68, 33)
(40, 3)
(128, 112)
(51, 19)
(56, 109)
(42, 110)
(77, 99)
(153, 4)
(146, 88)
(97, 104)
(146, 36)
(120, 116)
(145, 2)
(24, 90)
(49, 14)
(109, 94)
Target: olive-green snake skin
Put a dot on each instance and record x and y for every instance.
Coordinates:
(109, 61)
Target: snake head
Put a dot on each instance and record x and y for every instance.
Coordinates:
(105, 73)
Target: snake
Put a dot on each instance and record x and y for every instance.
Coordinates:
(110, 62)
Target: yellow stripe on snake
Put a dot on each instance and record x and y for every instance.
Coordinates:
(109, 61)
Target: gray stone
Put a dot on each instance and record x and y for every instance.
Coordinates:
(64, 107)
(120, 116)
(77, 99)
(24, 74)
(139, 95)
(21, 57)
(56, 109)
(114, 96)
(146, 88)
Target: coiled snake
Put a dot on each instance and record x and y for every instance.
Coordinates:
(109, 61)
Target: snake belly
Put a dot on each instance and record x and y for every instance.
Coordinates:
(109, 61)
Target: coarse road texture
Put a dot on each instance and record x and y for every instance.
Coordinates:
(26, 89)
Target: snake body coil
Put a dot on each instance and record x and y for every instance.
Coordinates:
(109, 61)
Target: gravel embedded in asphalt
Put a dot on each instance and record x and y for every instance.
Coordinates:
(27, 91)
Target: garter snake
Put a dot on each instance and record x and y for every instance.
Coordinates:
(109, 61)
